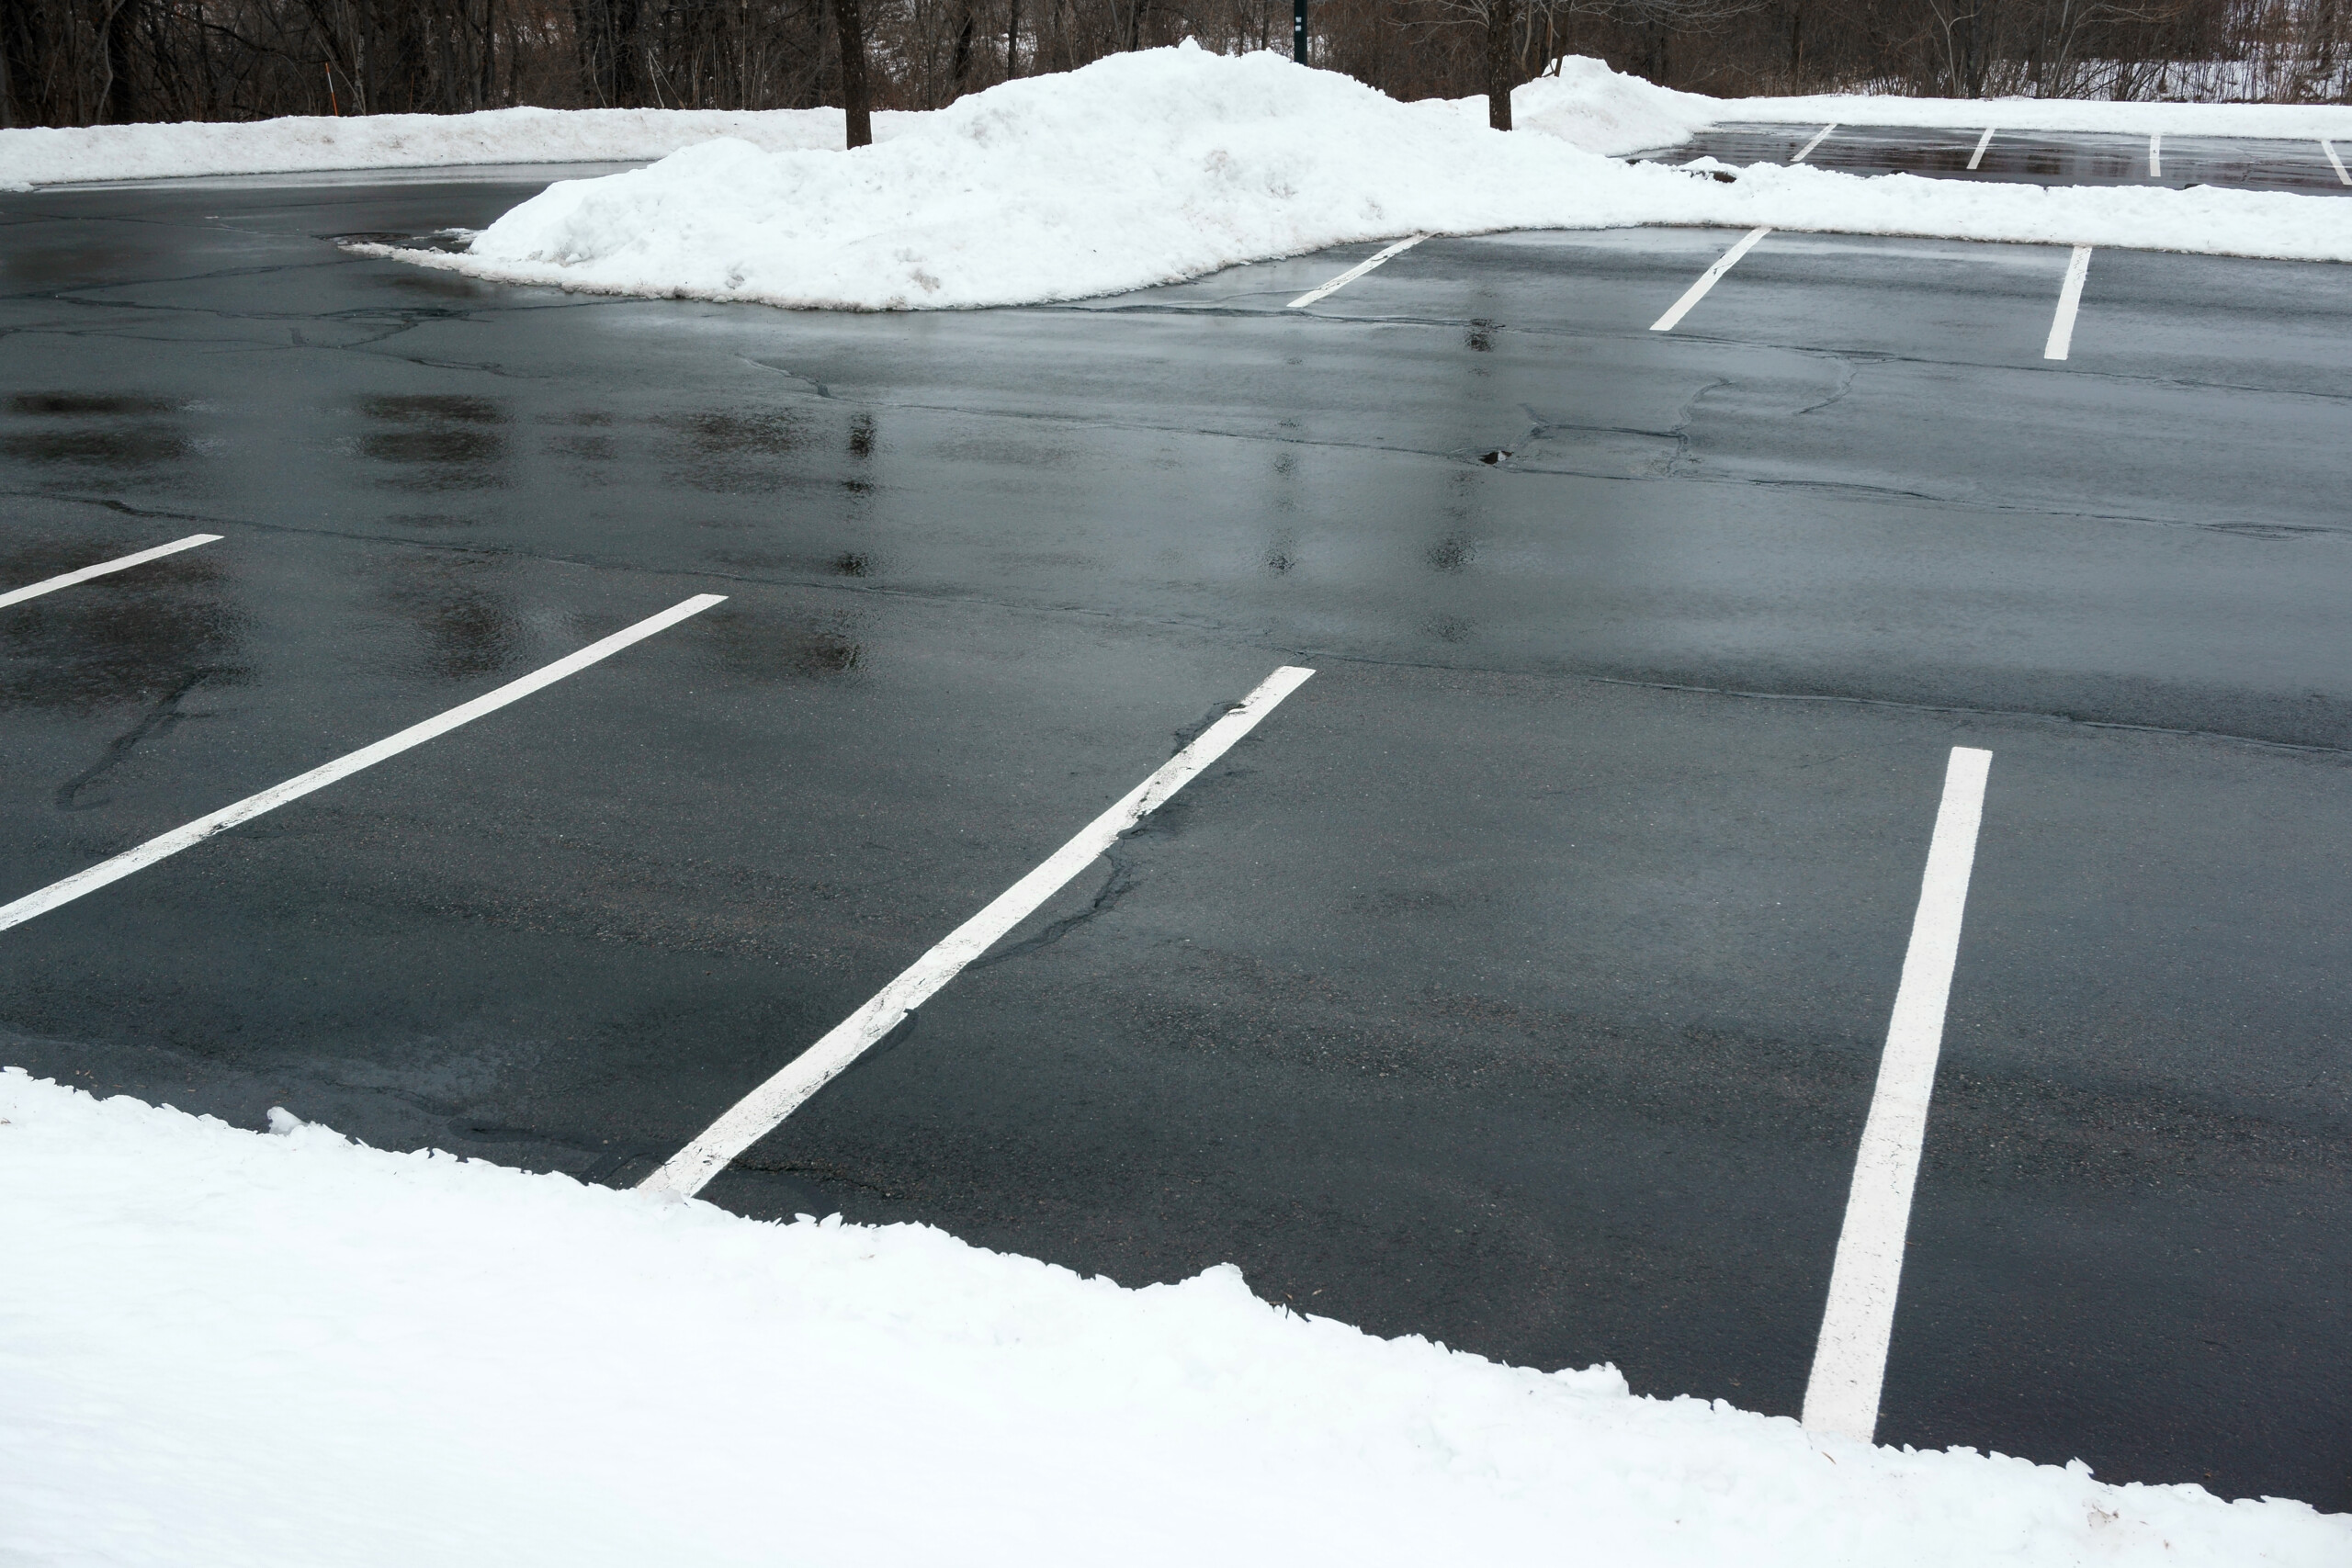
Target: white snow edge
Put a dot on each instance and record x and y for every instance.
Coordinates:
(39, 156)
(219, 1346)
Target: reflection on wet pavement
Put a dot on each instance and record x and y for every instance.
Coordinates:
(167, 626)
(728, 450)
(468, 624)
(597, 447)
(436, 442)
(755, 645)
(85, 431)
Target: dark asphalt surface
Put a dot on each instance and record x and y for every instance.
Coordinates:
(1520, 982)
(2028, 157)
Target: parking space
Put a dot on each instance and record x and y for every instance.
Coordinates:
(1849, 294)
(2030, 157)
(1522, 980)
(1899, 366)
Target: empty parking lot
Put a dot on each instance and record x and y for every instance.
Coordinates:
(1521, 980)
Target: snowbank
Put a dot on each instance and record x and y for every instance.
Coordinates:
(304, 145)
(1604, 111)
(221, 1347)
(1585, 104)
(1600, 110)
(1149, 168)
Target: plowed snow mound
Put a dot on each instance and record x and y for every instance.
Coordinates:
(1157, 167)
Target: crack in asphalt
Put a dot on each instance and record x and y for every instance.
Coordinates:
(1681, 462)
(161, 718)
(1122, 881)
(213, 277)
(1847, 373)
(812, 1171)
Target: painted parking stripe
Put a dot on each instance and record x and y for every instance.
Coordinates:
(759, 1113)
(1981, 142)
(1707, 280)
(2157, 155)
(1312, 295)
(120, 563)
(2329, 148)
(1850, 1362)
(1806, 151)
(2070, 299)
(252, 805)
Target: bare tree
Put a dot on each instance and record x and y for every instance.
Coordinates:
(87, 62)
(1502, 23)
(857, 103)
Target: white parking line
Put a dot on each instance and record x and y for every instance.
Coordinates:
(1849, 1363)
(90, 880)
(2155, 156)
(51, 585)
(1398, 249)
(1698, 291)
(2070, 299)
(2329, 148)
(1981, 142)
(1805, 151)
(758, 1113)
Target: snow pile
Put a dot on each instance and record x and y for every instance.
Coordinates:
(1138, 169)
(299, 145)
(1153, 168)
(1588, 105)
(220, 1346)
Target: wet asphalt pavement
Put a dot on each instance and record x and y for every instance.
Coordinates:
(2028, 157)
(1520, 982)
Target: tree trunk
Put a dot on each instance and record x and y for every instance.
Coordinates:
(628, 81)
(123, 98)
(17, 88)
(963, 64)
(856, 106)
(1502, 21)
(1011, 38)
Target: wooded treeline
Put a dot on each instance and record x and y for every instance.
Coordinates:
(99, 62)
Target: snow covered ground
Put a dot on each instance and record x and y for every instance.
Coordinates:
(1153, 168)
(307, 144)
(226, 1348)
